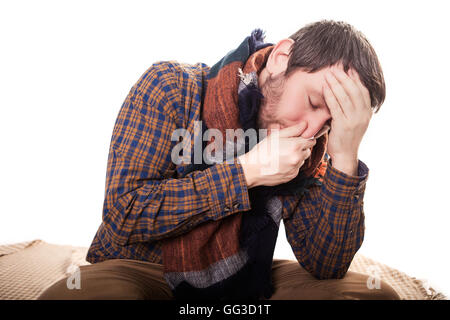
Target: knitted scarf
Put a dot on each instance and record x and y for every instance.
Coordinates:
(231, 258)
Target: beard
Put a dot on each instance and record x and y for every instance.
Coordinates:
(272, 90)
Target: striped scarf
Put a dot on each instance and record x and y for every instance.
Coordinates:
(231, 258)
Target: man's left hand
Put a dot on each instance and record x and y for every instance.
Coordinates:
(349, 103)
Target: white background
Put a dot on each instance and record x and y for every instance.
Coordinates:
(66, 67)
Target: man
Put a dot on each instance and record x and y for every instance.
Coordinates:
(159, 216)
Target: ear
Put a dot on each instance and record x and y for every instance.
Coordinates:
(279, 57)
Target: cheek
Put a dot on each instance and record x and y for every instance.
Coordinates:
(293, 114)
(293, 104)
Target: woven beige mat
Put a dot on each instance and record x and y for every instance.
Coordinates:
(407, 287)
(28, 268)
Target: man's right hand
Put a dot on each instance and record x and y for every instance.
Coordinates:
(278, 157)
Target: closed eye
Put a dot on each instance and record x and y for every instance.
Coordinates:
(312, 105)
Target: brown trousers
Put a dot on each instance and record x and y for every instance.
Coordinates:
(132, 279)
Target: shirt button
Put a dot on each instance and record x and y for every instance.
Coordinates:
(236, 205)
(226, 209)
(356, 196)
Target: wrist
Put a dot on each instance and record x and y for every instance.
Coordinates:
(347, 164)
(249, 171)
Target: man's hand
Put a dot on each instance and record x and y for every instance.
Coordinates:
(349, 104)
(278, 157)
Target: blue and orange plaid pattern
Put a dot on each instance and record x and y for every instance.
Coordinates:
(146, 201)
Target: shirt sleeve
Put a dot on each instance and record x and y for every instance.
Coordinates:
(142, 203)
(325, 227)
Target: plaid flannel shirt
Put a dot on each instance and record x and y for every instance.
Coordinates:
(146, 202)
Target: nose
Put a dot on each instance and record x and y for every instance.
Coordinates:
(315, 125)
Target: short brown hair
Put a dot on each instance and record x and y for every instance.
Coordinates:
(324, 43)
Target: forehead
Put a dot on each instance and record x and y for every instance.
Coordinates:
(310, 81)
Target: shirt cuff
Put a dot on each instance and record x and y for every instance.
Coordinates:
(344, 189)
(345, 179)
(228, 189)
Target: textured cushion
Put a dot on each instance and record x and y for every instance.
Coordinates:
(28, 268)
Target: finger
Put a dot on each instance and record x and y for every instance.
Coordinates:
(306, 153)
(364, 91)
(303, 156)
(276, 126)
(351, 88)
(306, 147)
(293, 131)
(307, 143)
(299, 142)
(341, 96)
(322, 131)
(332, 103)
(298, 166)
